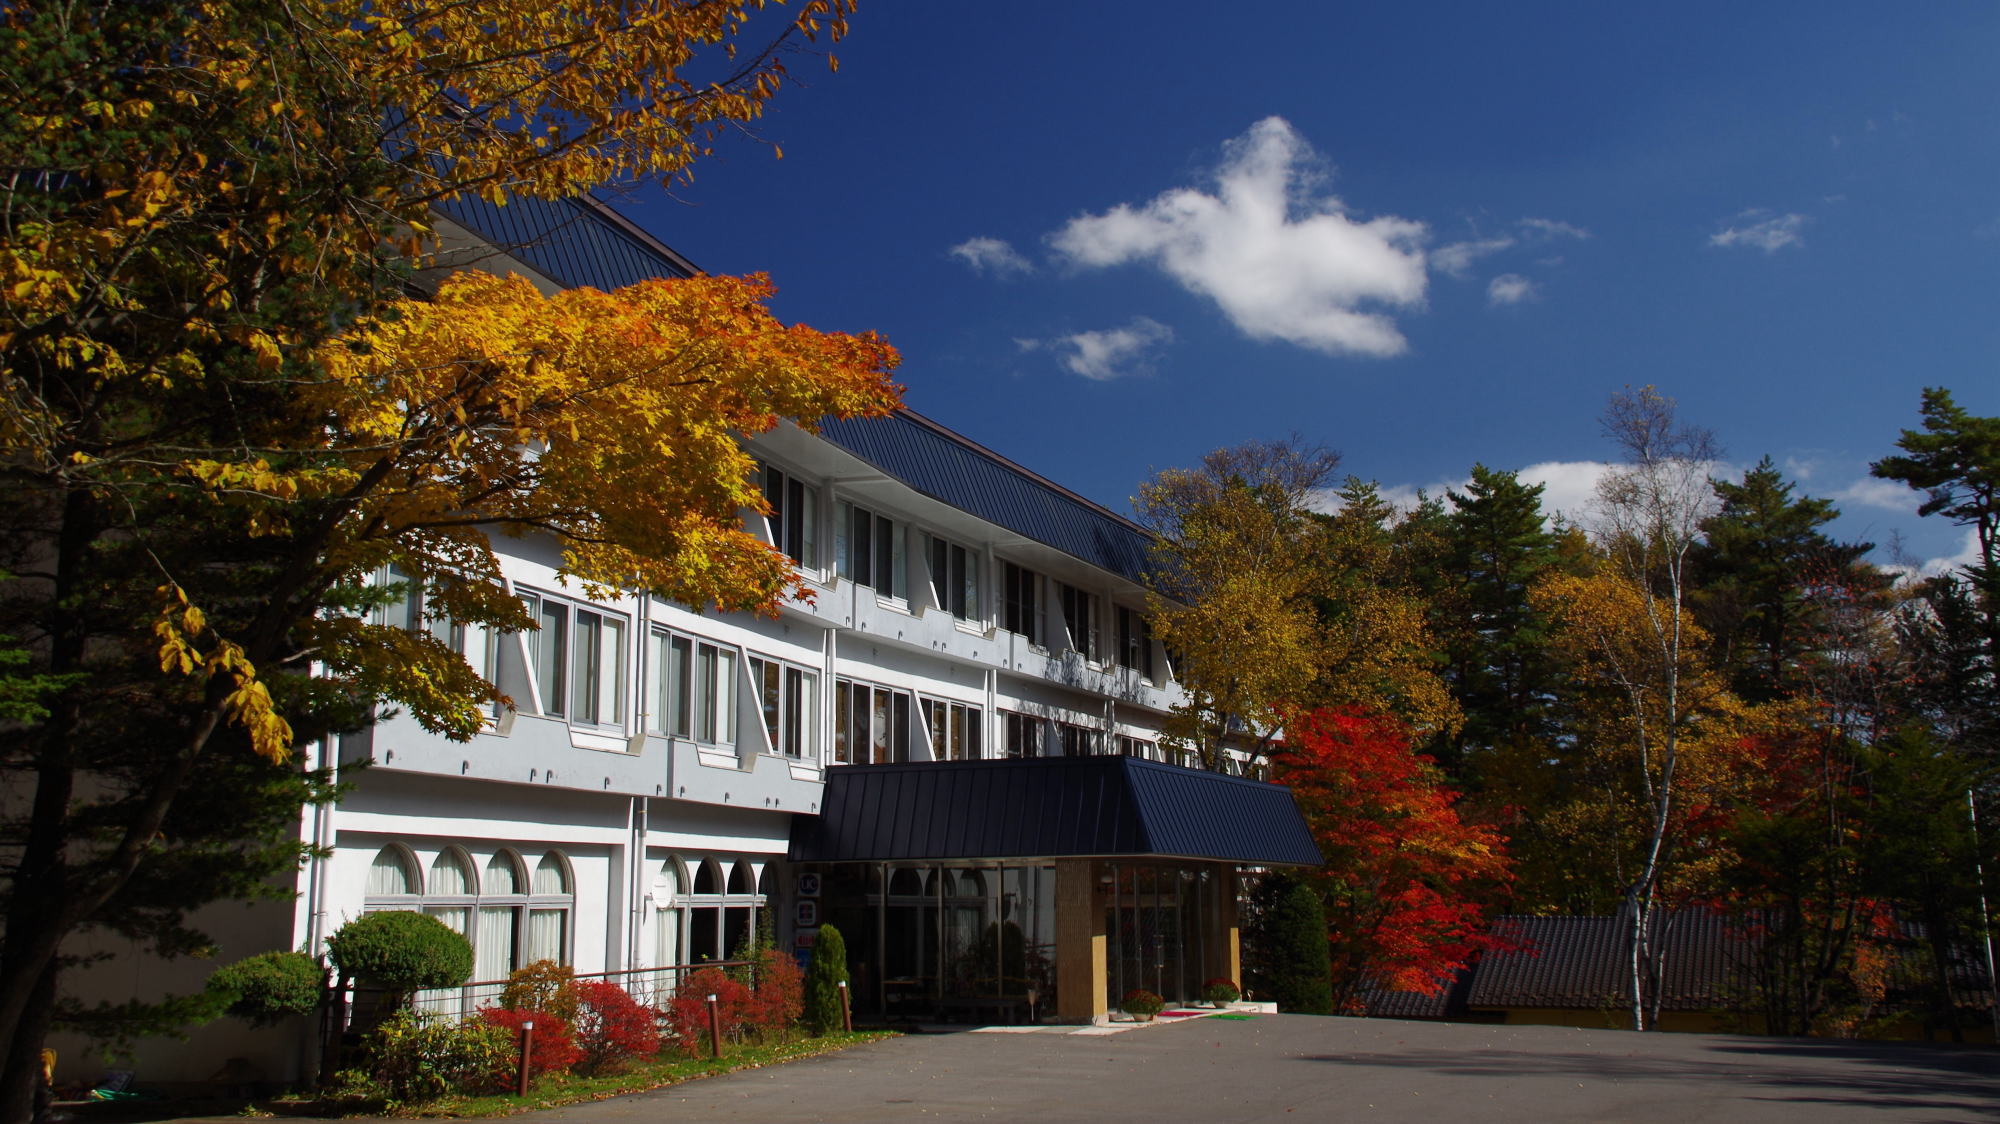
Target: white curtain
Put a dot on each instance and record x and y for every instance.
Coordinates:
(449, 876)
(496, 942)
(668, 922)
(545, 934)
(388, 874)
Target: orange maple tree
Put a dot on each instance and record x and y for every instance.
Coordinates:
(1408, 882)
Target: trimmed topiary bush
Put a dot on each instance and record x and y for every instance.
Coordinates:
(400, 952)
(271, 987)
(825, 972)
(612, 1028)
(1142, 1004)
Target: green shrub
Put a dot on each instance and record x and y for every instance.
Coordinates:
(272, 986)
(400, 952)
(1294, 969)
(542, 986)
(415, 1056)
(825, 972)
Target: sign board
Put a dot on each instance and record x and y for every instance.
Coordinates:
(809, 885)
(807, 915)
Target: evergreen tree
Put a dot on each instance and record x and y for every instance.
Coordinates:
(1497, 659)
(1288, 955)
(1760, 574)
(825, 972)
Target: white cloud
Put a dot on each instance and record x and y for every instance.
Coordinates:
(992, 256)
(1767, 234)
(1510, 288)
(1456, 259)
(1889, 495)
(1281, 263)
(1112, 353)
(1550, 229)
(1568, 487)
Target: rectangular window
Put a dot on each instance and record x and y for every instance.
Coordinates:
(1133, 747)
(1079, 611)
(579, 659)
(1079, 741)
(690, 695)
(794, 519)
(871, 725)
(954, 578)
(787, 696)
(954, 729)
(1020, 735)
(869, 551)
(1020, 607)
(1135, 641)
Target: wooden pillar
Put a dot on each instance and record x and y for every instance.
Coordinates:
(1080, 946)
(1229, 949)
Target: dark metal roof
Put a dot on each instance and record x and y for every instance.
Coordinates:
(953, 470)
(1585, 962)
(1050, 807)
(573, 242)
(578, 242)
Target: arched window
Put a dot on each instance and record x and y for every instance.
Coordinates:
(450, 893)
(716, 915)
(390, 874)
(549, 909)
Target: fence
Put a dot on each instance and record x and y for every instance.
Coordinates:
(651, 987)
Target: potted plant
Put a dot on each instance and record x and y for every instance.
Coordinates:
(1141, 1004)
(1220, 991)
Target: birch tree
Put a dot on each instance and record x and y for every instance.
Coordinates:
(1651, 510)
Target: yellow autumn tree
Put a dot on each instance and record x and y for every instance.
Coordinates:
(1236, 571)
(219, 409)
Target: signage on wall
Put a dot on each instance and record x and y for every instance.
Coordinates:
(804, 938)
(808, 914)
(809, 885)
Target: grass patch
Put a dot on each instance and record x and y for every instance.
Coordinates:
(567, 1089)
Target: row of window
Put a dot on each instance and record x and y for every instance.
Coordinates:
(575, 669)
(872, 549)
(510, 916)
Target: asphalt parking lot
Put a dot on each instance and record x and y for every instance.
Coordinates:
(1291, 1067)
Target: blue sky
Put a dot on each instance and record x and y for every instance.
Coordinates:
(1111, 237)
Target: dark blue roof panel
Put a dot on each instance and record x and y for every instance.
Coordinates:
(583, 242)
(576, 243)
(1050, 807)
(949, 468)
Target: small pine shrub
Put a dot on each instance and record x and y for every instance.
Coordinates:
(687, 1015)
(414, 1056)
(1297, 970)
(542, 986)
(400, 951)
(271, 987)
(824, 974)
(553, 1051)
(612, 1028)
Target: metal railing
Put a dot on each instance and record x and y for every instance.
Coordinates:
(651, 987)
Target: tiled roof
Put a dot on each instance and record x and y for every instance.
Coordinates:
(1050, 807)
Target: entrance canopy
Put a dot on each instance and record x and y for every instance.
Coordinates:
(1051, 807)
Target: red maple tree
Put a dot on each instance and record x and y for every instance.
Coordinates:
(1408, 883)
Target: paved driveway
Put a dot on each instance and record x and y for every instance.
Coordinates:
(1293, 1067)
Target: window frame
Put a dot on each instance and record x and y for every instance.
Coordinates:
(571, 662)
(791, 724)
(792, 526)
(894, 707)
(692, 698)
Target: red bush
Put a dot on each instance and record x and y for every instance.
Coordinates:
(553, 1051)
(612, 1027)
(779, 997)
(687, 1015)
